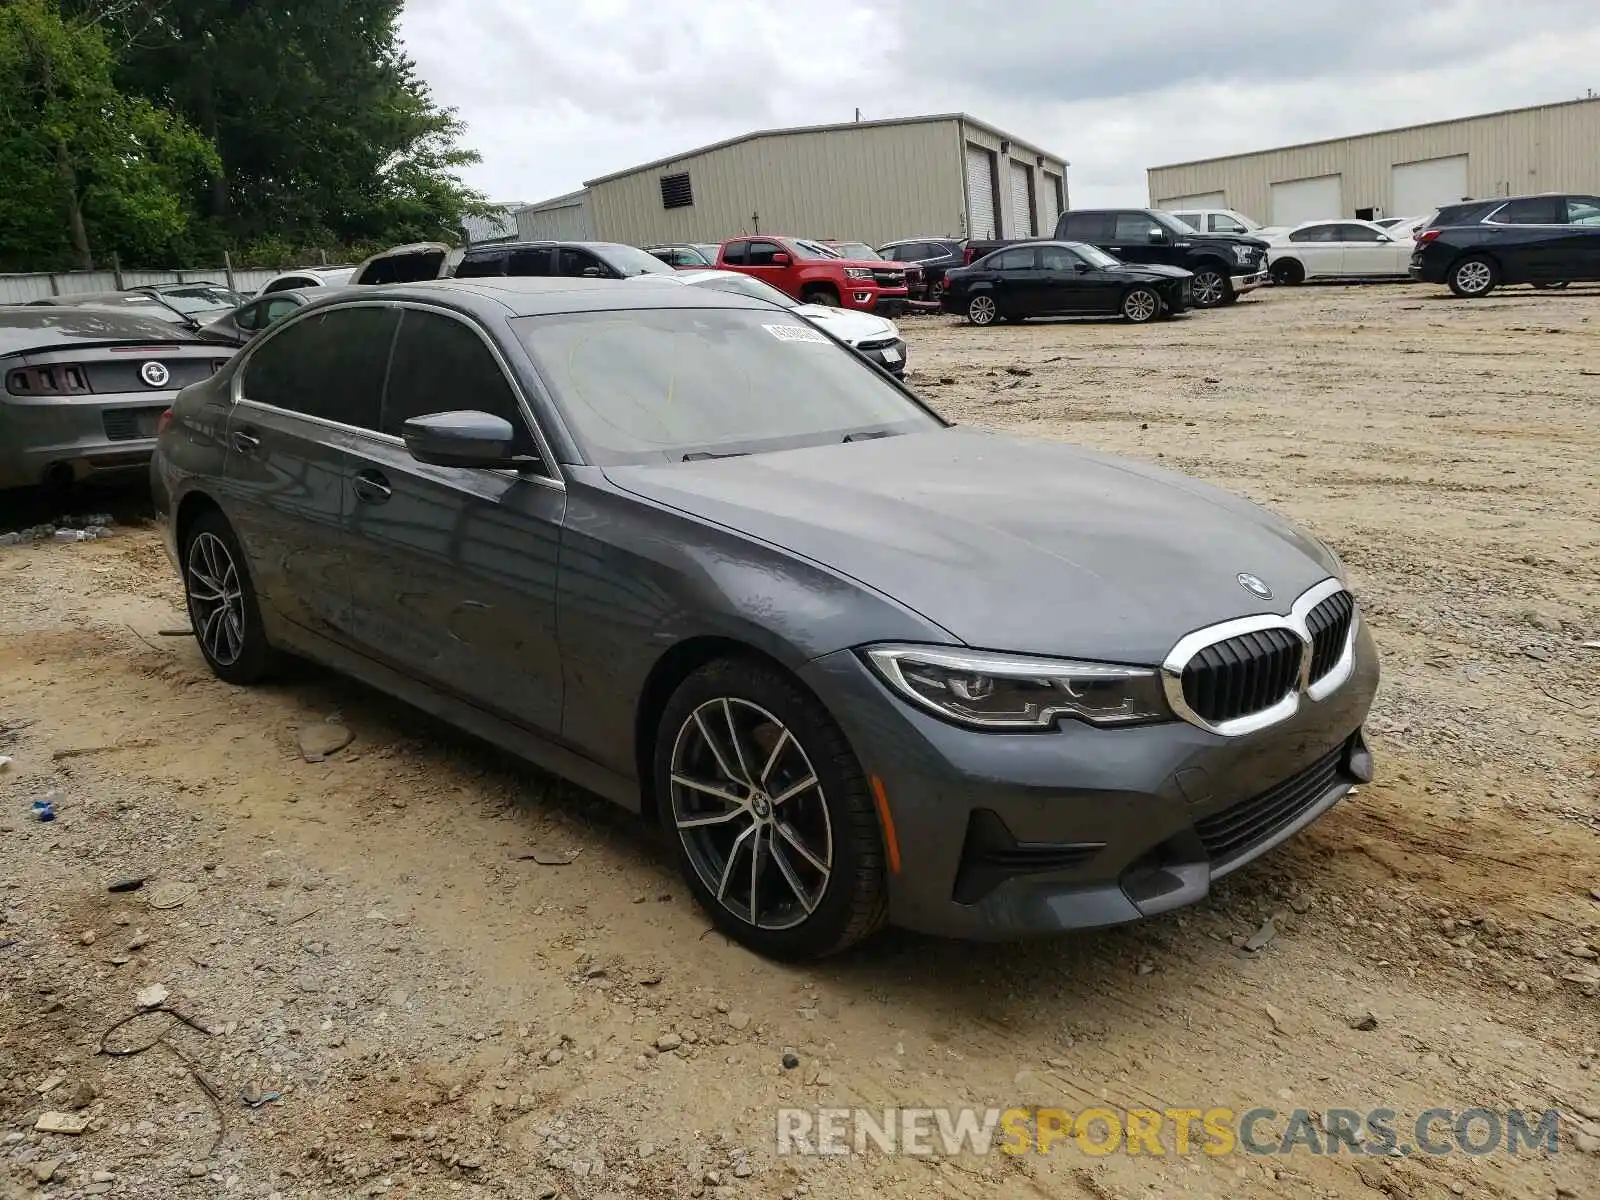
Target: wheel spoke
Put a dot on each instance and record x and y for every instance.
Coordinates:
(710, 789)
(790, 836)
(794, 789)
(755, 876)
(772, 759)
(213, 590)
(738, 746)
(733, 857)
(791, 877)
(716, 750)
(211, 632)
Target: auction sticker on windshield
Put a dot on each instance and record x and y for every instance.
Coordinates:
(795, 333)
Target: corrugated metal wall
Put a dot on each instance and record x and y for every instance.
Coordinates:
(563, 219)
(1546, 149)
(872, 184)
(19, 289)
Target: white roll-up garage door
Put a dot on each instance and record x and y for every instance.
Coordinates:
(980, 193)
(1049, 203)
(1300, 200)
(1021, 200)
(1416, 189)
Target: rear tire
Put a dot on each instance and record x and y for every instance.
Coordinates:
(1141, 305)
(982, 309)
(1288, 272)
(1474, 277)
(789, 869)
(221, 599)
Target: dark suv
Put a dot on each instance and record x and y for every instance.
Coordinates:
(587, 260)
(935, 255)
(1548, 241)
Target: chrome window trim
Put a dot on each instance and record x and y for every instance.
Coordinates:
(551, 475)
(1295, 621)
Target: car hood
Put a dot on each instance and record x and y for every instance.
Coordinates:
(1009, 544)
(877, 264)
(847, 326)
(1150, 271)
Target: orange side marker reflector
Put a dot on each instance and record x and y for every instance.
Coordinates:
(891, 842)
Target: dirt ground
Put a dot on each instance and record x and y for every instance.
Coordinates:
(424, 1011)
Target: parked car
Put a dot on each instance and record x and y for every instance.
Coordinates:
(1218, 220)
(934, 255)
(1225, 265)
(1059, 279)
(1390, 222)
(811, 273)
(689, 552)
(875, 338)
(594, 260)
(82, 390)
(1338, 250)
(413, 263)
(916, 278)
(308, 277)
(1548, 240)
(253, 316)
(684, 257)
(204, 302)
(140, 303)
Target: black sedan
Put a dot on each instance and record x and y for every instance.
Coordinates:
(1062, 279)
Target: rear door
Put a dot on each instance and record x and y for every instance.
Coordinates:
(1017, 281)
(1318, 249)
(453, 570)
(1530, 238)
(303, 393)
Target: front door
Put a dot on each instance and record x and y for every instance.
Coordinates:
(453, 570)
(304, 390)
(1582, 237)
(1068, 284)
(1137, 238)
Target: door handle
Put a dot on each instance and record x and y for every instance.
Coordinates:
(371, 487)
(245, 442)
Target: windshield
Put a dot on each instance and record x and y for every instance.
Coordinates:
(648, 384)
(193, 300)
(858, 251)
(744, 285)
(805, 249)
(630, 260)
(1095, 256)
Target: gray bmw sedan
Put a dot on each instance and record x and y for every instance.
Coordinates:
(686, 550)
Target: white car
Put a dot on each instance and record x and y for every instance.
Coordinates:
(876, 338)
(308, 277)
(1347, 249)
(1219, 220)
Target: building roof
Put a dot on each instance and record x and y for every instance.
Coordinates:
(565, 200)
(840, 127)
(1504, 112)
(499, 224)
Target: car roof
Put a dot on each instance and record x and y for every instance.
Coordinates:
(530, 296)
(548, 243)
(44, 327)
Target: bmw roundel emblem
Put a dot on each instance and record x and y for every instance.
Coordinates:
(1254, 586)
(155, 374)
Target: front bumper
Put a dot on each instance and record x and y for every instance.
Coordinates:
(890, 356)
(1250, 282)
(1004, 835)
(885, 302)
(75, 439)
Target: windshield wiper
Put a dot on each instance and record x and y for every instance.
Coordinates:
(703, 455)
(868, 435)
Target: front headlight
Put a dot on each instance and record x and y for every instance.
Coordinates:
(1011, 691)
(858, 273)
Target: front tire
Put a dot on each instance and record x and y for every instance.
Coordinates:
(222, 604)
(1474, 277)
(825, 296)
(981, 309)
(769, 812)
(1210, 288)
(1141, 305)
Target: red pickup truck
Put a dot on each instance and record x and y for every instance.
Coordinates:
(811, 274)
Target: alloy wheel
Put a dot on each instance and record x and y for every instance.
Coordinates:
(981, 310)
(1474, 277)
(1209, 288)
(216, 599)
(1140, 305)
(749, 810)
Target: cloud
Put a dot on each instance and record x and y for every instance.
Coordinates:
(555, 94)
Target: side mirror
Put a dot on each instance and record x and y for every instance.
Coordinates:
(1157, 236)
(780, 259)
(1384, 237)
(591, 273)
(461, 439)
(1082, 268)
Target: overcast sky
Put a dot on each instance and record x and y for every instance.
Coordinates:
(558, 91)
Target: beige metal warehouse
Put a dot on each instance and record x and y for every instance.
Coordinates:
(561, 218)
(870, 181)
(1399, 172)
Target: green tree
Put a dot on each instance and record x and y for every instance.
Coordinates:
(326, 135)
(87, 170)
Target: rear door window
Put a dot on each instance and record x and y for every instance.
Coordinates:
(1531, 210)
(1087, 227)
(737, 253)
(330, 366)
(441, 364)
(480, 266)
(534, 261)
(1356, 233)
(1020, 259)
